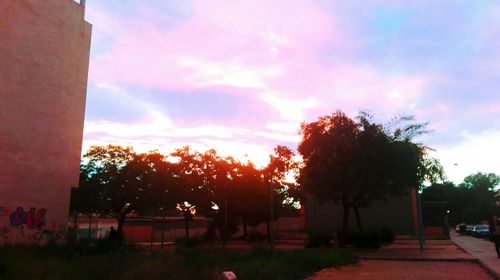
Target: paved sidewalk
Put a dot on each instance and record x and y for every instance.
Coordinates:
(240, 245)
(441, 259)
(436, 250)
(396, 270)
(481, 249)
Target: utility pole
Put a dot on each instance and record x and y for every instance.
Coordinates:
(271, 216)
(162, 240)
(225, 220)
(420, 223)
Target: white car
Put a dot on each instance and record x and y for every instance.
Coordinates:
(481, 231)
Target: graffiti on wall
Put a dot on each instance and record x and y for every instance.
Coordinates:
(5, 211)
(18, 224)
(32, 219)
(56, 232)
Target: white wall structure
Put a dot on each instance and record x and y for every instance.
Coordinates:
(44, 57)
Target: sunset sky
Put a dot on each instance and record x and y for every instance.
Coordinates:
(240, 76)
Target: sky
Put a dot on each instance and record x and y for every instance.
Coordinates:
(241, 76)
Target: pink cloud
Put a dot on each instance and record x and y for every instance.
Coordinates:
(269, 50)
(263, 46)
(235, 44)
(287, 61)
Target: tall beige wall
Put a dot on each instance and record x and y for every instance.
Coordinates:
(395, 213)
(44, 56)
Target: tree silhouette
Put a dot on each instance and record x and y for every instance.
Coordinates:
(354, 163)
(124, 182)
(118, 182)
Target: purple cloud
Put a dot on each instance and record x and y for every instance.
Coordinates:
(240, 76)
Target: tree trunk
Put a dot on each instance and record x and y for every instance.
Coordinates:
(345, 223)
(119, 230)
(358, 219)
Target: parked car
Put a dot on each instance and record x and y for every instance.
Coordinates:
(469, 229)
(481, 231)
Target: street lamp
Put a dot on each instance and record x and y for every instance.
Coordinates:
(446, 226)
(188, 211)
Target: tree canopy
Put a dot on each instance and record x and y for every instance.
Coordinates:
(472, 201)
(119, 182)
(354, 162)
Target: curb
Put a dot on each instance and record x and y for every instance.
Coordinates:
(488, 269)
(481, 263)
(472, 260)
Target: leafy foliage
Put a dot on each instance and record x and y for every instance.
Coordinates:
(119, 182)
(355, 162)
(318, 240)
(472, 201)
(186, 263)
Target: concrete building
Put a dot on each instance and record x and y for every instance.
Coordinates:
(44, 57)
(398, 214)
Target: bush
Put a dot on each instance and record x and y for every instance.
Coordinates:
(318, 240)
(372, 240)
(366, 240)
(253, 236)
(186, 263)
(386, 235)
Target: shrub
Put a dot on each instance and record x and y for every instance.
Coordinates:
(253, 236)
(372, 240)
(318, 240)
(186, 263)
(364, 240)
(386, 235)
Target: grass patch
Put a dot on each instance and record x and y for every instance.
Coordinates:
(186, 263)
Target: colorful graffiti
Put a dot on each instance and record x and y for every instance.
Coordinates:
(32, 219)
(5, 211)
(20, 225)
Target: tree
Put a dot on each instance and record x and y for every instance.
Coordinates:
(481, 182)
(84, 200)
(472, 201)
(189, 173)
(326, 149)
(252, 196)
(353, 163)
(482, 190)
(281, 167)
(456, 200)
(160, 180)
(208, 182)
(123, 181)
